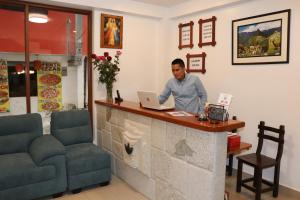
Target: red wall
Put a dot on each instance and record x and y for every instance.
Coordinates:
(48, 38)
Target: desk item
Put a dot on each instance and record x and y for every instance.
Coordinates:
(180, 114)
(150, 100)
(118, 99)
(217, 113)
(224, 100)
(233, 140)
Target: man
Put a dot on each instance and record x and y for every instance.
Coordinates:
(188, 91)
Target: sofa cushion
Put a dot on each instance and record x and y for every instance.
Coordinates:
(19, 169)
(18, 131)
(86, 157)
(71, 127)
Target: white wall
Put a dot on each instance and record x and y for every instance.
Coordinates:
(261, 92)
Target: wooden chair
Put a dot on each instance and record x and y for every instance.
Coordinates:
(259, 162)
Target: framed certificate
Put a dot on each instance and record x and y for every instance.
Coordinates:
(196, 62)
(207, 31)
(186, 35)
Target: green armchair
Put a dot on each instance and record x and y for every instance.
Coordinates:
(32, 165)
(86, 163)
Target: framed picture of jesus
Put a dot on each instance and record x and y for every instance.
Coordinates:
(111, 32)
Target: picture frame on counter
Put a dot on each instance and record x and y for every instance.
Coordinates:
(261, 39)
(207, 32)
(196, 62)
(186, 35)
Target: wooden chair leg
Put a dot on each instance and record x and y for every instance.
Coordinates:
(239, 176)
(258, 180)
(230, 163)
(276, 181)
(254, 177)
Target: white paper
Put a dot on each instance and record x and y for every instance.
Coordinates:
(224, 100)
(179, 114)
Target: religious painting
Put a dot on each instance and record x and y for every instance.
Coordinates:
(262, 39)
(111, 31)
(196, 62)
(207, 31)
(186, 35)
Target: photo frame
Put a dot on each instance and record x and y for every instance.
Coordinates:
(111, 31)
(207, 32)
(186, 35)
(196, 63)
(261, 39)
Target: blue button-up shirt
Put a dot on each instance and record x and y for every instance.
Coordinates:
(189, 94)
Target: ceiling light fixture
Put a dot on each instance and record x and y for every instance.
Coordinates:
(38, 15)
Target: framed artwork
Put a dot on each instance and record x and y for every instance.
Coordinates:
(111, 32)
(186, 35)
(207, 31)
(196, 62)
(262, 39)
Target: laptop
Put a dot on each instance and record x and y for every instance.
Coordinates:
(150, 100)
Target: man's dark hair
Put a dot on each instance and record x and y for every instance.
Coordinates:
(178, 61)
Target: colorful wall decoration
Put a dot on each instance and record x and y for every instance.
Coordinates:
(4, 90)
(49, 86)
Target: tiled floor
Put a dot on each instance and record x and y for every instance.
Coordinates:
(118, 190)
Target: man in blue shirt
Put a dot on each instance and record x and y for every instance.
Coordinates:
(188, 91)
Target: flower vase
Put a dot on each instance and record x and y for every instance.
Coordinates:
(109, 96)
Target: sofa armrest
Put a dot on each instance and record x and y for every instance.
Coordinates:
(45, 147)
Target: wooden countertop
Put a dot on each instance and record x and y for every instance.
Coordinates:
(190, 121)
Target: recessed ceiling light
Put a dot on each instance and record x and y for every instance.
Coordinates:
(38, 15)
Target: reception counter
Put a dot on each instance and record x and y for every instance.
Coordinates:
(162, 156)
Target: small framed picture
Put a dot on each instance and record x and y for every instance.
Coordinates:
(186, 35)
(196, 62)
(111, 32)
(261, 39)
(207, 31)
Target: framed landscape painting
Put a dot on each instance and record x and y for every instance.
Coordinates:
(262, 39)
(111, 31)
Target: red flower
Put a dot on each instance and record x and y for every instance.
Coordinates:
(94, 56)
(102, 58)
(106, 54)
(109, 58)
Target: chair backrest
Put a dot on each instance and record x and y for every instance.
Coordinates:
(263, 135)
(18, 131)
(71, 127)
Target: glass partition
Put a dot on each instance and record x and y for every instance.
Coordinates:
(57, 49)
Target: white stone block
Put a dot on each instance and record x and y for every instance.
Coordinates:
(106, 140)
(121, 117)
(158, 134)
(137, 136)
(201, 144)
(161, 162)
(178, 175)
(117, 149)
(114, 117)
(136, 179)
(200, 184)
(116, 132)
(176, 136)
(140, 119)
(162, 191)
